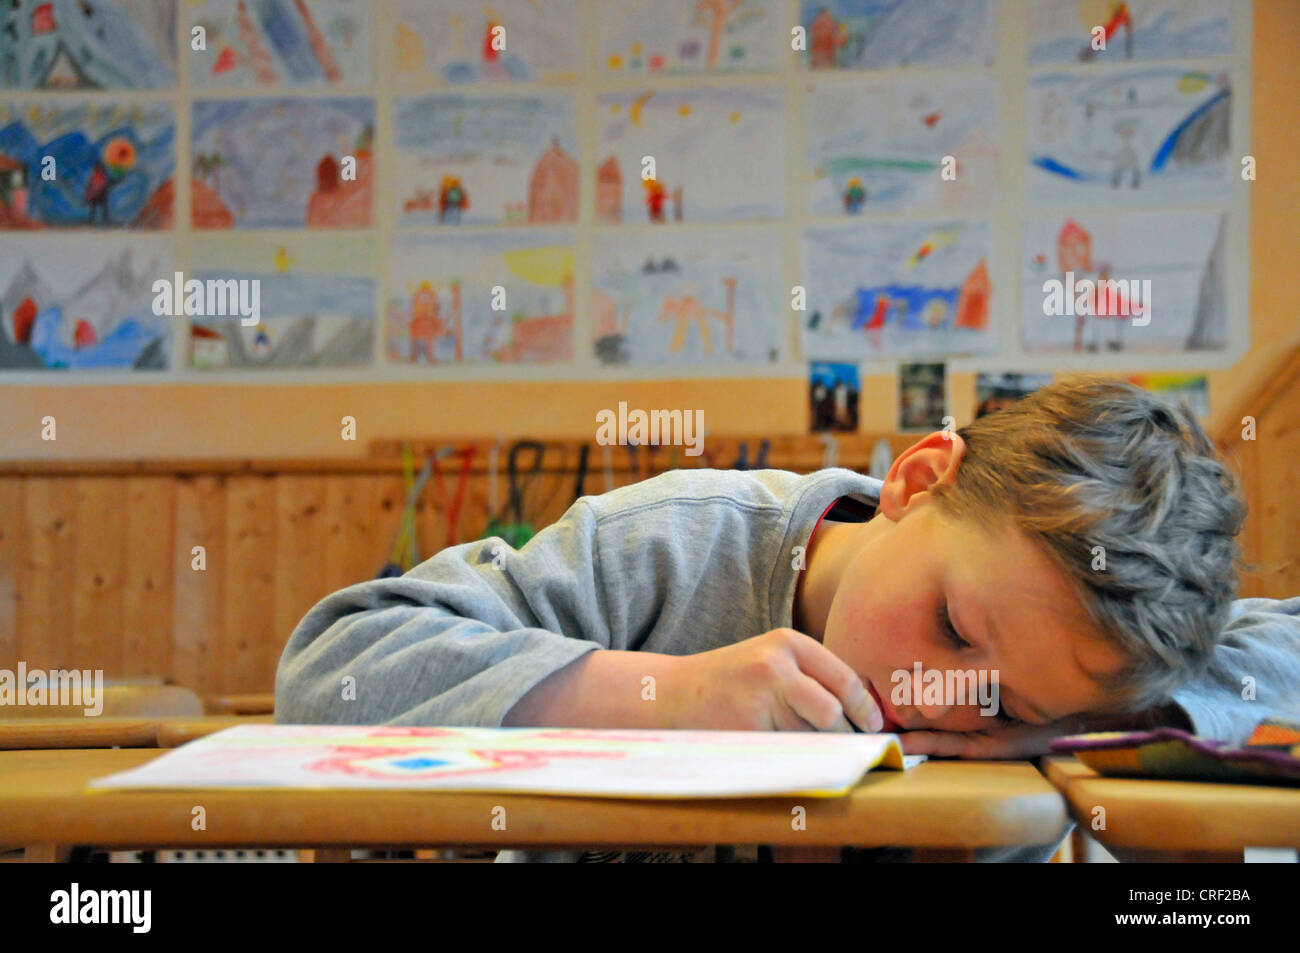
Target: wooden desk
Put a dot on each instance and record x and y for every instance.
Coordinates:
(114, 732)
(1177, 820)
(262, 703)
(944, 807)
(174, 732)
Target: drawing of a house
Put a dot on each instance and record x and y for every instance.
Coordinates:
(609, 192)
(553, 187)
(546, 337)
(339, 203)
(208, 348)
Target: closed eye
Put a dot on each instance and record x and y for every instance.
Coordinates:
(948, 629)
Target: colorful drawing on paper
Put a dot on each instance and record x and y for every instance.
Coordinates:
(717, 155)
(698, 298)
(652, 37)
(1110, 31)
(88, 44)
(84, 164)
(486, 160)
(481, 299)
(1148, 283)
(833, 391)
(1130, 137)
(887, 34)
(1192, 390)
(281, 43)
(537, 760)
(921, 397)
(317, 303)
(466, 42)
(994, 392)
(882, 146)
(82, 303)
(897, 289)
(283, 163)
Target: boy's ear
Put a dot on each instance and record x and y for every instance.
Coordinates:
(932, 460)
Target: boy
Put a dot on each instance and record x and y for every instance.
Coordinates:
(1080, 544)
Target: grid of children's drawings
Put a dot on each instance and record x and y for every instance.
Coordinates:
(411, 189)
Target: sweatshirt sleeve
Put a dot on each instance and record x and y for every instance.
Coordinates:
(458, 640)
(1255, 673)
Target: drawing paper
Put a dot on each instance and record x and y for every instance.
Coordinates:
(562, 761)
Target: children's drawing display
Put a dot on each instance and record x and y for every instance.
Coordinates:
(545, 189)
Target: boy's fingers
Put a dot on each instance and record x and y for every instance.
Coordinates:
(819, 662)
(816, 706)
(785, 718)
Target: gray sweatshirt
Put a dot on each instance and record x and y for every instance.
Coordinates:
(688, 561)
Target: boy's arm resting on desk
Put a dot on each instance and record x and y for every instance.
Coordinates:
(458, 640)
(1261, 641)
(1255, 673)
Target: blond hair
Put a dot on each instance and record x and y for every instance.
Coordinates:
(1101, 473)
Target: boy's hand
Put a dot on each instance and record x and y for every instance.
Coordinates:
(781, 680)
(1030, 741)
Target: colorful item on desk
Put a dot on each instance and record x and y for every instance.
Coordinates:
(1272, 755)
(554, 761)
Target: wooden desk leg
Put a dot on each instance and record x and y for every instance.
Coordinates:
(943, 855)
(47, 854)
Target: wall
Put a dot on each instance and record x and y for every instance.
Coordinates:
(257, 420)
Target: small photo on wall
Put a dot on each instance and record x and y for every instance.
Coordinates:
(993, 392)
(921, 403)
(1191, 389)
(833, 391)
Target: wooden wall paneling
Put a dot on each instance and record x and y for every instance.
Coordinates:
(390, 498)
(1279, 475)
(96, 576)
(199, 605)
(149, 572)
(248, 633)
(301, 578)
(13, 554)
(353, 547)
(45, 612)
